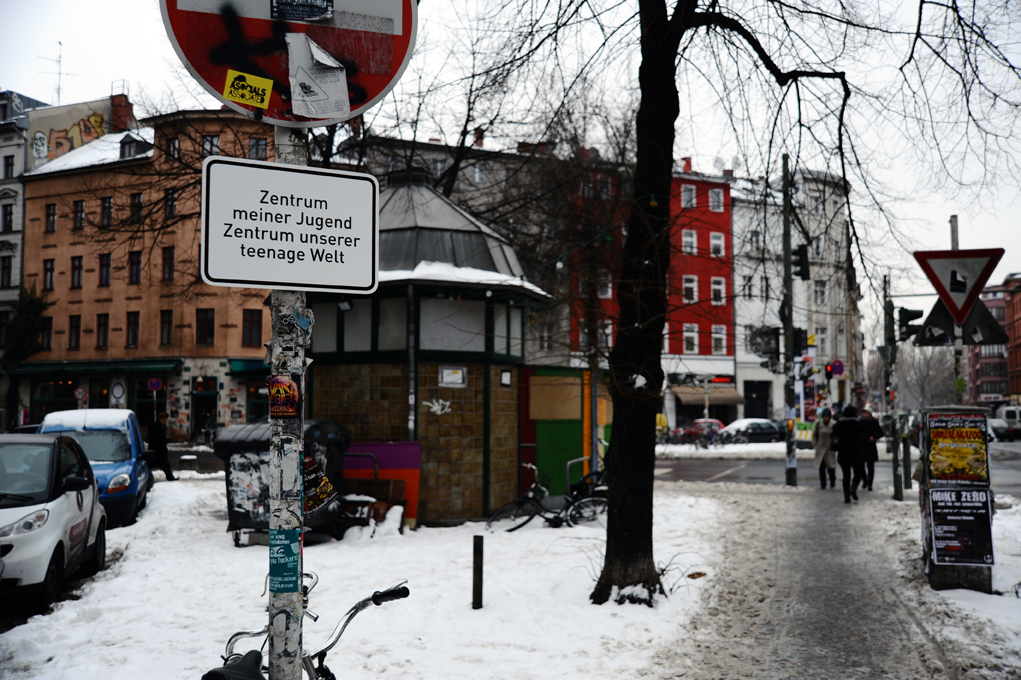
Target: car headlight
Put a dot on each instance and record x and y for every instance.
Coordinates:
(26, 524)
(119, 483)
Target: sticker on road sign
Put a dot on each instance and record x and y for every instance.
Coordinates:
(959, 276)
(244, 88)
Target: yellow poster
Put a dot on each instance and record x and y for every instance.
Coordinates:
(957, 450)
(245, 88)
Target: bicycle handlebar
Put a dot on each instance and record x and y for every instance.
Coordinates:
(396, 593)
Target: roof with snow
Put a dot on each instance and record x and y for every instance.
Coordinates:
(444, 272)
(106, 149)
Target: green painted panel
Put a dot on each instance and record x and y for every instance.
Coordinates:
(557, 441)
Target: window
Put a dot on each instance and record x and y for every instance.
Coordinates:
(135, 267)
(477, 173)
(251, 328)
(765, 287)
(438, 165)
(257, 148)
(814, 204)
(818, 246)
(168, 263)
(47, 274)
(546, 336)
(690, 338)
(46, 336)
(754, 240)
(51, 217)
(687, 196)
(820, 343)
(76, 272)
(173, 147)
(102, 331)
(719, 339)
(210, 145)
(605, 285)
(689, 241)
(166, 327)
(8, 167)
(74, 331)
(716, 200)
(994, 387)
(6, 272)
(104, 269)
(606, 334)
(79, 214)
(997, 351)
(994, 368)
(747, 288)
(5, 320)
(170, 203)
(131, 338)
(105, 211)
(8, 217)
(819, 294)
(719, 290)
(605, 183)
(716, 245)
(205, 326)
(690, 289)
(136, 207)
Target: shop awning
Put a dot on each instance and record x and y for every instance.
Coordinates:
(248, 368)
(124, 366)
(695, 396)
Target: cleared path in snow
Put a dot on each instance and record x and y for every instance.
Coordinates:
(812, 588)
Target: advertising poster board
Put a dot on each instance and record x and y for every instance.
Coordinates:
(958, 455)
(962, 531)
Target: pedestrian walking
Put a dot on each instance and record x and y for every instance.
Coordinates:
(871, 433)
(158, 443)
(846, 439)
(825, 458)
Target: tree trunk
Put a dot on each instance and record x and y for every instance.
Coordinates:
(629, 570)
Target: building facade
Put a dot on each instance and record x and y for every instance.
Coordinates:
(112, 242)
(987, 364)
(1012, 322)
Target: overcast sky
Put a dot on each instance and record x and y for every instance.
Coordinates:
(124, 40)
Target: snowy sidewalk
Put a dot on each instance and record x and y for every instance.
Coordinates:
(766, 451)
(178, 588)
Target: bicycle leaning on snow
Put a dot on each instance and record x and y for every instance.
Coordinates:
(583, 504)
(249, 666)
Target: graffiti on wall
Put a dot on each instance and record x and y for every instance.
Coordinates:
(46, 147)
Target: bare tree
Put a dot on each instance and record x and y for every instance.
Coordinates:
(925, 376)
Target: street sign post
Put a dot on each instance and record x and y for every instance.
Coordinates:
(267, 225)
(294, 63)
(959, 276)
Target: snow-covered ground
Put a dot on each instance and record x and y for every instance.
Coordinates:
(764, 451)
(177, 588)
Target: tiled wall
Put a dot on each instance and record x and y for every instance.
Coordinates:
(370, 400)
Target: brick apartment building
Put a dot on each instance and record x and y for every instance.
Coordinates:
(987, 364)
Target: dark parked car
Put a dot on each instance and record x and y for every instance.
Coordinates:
(1002, 430)
(751, 430)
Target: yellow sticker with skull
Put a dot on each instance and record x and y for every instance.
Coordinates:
(245, 88)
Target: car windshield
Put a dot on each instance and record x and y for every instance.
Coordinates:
(24, 468)
(996, 422)
(103, 445)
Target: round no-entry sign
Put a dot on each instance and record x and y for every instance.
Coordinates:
(81, 393)
(296, 63)
(838, 367)
(155, 384)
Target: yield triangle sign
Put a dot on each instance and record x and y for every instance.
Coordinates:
(959, 276)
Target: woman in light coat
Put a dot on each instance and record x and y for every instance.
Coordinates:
(825, 459)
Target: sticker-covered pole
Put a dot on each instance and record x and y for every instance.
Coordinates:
(291, 331)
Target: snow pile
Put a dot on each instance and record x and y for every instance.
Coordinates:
(177, 588)
(764, 451)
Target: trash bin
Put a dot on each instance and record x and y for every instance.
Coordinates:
(244, 450)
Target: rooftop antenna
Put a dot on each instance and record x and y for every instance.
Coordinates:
(59, 71)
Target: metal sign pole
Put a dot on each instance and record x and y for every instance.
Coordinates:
(291, 333)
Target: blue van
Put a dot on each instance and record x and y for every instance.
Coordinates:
(112, 439)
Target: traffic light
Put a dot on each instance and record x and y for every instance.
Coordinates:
(904, 326)
(800, 262)
(800, 341)
(829, 371)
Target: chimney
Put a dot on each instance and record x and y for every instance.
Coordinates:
(356, 126)
(480, 136)
(122, 117)
(687, 164)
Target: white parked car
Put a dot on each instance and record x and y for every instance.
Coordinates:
(51, 520)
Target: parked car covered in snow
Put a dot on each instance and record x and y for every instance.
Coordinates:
(112, 439)
(750, 430)
(51, 521)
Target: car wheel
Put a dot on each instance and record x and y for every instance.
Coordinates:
(49, 589)
(97, 561)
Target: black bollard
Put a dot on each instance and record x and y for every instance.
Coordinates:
(477, 575)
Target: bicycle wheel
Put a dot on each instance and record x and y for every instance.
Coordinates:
(588, 512)
(514, 515)
(739, 439)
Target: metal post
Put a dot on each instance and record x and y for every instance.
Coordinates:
(477, 575)
(958, 334)
(906, 445)
(791, 472)
(892, 444)
(291, 334)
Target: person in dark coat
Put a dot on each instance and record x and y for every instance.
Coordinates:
(846, 439)
(158, 443)
(871, 433)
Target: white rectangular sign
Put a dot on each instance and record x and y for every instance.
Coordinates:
(269, 225)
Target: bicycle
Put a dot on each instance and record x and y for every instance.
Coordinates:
(249, 666)
(579, 506)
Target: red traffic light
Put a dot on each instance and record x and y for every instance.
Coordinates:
(829, 371)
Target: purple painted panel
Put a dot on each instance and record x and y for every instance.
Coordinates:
(391, 456)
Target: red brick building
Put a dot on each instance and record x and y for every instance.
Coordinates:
(1012, 321)
(987, 364)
